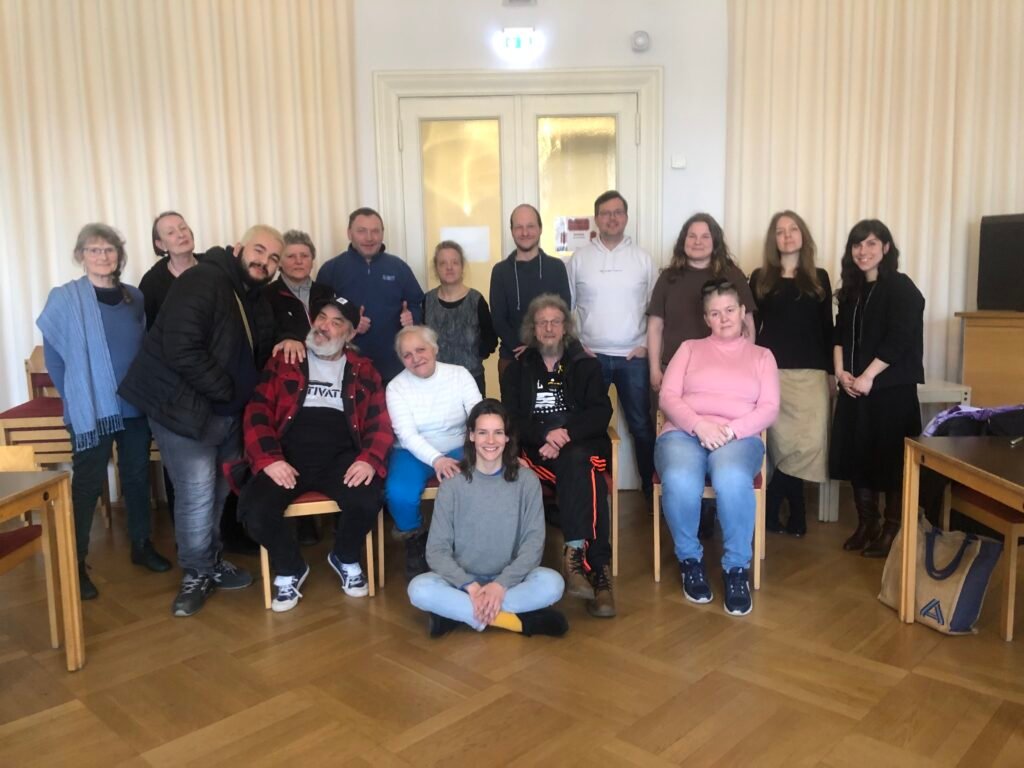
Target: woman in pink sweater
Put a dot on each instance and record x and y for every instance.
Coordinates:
(717, 394)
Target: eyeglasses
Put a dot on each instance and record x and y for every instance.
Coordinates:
(618, 213)
(548, 323)
(95, 250)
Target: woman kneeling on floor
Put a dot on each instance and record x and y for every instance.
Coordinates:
(486, 540)
(718, 393)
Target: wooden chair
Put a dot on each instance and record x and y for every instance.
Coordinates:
(318, 504)
(37, 378)
(19, 544)
(1002, 519)
(760, 489)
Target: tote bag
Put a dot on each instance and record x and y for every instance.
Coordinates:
(953, 572)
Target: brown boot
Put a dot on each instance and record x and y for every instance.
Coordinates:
(866, 502)
(893, 518)
(603, 604)
(573, 571)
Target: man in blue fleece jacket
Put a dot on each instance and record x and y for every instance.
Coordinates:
(380, 284)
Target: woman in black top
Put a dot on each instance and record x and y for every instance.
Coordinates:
(175, 246)
(879, 361)
(794, 321)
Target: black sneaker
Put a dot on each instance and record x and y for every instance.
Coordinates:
(87, 590)
(195, 588)
(440, 626)
(145, 555)
(695, 581)
(229, 576)
(737, 592)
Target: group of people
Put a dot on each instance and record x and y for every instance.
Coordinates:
(360, 387)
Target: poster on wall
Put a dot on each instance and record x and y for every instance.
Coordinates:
(573, 232)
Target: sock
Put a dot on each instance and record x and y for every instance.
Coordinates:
(509, 621)
(575, 544)
(351, 569)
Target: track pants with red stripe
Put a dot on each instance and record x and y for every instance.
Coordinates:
(582, 495)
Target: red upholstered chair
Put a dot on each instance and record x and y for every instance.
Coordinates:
(760, 489)
(318, 504)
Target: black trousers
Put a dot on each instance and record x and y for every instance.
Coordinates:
(262, 503)
(582, 495)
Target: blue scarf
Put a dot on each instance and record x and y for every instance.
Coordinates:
(72, 325)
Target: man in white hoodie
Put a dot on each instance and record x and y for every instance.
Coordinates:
(611, 281)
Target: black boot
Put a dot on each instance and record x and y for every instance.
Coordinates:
(416, 555)
(87, 590)
(773, 504)
(143, 554)
(796, 525)
(866, 502)
(881, 545)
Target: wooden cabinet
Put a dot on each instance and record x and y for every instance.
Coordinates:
(994, 357)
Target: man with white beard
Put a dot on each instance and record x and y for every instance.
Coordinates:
(320, 425)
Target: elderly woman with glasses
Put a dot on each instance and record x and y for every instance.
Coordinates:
(428, 403)
(92, 329)
(718, 393)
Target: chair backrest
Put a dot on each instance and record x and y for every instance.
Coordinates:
(37, 378)
(17, 458)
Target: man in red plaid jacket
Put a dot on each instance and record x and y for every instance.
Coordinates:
(318, 426)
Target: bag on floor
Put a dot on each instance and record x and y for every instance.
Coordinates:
(953, 572)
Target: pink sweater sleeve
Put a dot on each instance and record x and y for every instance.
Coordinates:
(767, 406)
(671, 400)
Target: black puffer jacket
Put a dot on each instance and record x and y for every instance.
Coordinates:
(290, 318)
(590, 410)
(185, 365)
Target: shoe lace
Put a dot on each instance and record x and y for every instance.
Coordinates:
(602, 579)
(353, 579)
(695, 576)
(192, 584)
(576, 559)
(225, 567)
(288, 591)
(736, 583)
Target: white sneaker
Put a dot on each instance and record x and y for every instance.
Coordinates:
(352, 584)
(288, 594)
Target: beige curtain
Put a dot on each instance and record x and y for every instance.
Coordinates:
(232, 112)
(905, 110)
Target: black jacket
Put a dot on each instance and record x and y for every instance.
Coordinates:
(290, 318)
(892, 329)
(185, 365)
(590, 410)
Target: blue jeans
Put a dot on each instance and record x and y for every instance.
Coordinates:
(683, 465)
(89, 470)
(200, 487)
(632, 380)
(407, 477)
(429, 592)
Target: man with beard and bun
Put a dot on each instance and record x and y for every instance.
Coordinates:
(193, 377)
(319, 425)
(523, 275)
(559, 404)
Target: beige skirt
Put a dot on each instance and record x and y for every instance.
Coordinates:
(798, 441)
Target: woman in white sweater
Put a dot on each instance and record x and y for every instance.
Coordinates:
(428, 403)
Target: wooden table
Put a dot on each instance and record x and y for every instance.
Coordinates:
(989, 465)
(50, 492)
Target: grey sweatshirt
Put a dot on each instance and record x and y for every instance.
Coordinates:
(488, 527)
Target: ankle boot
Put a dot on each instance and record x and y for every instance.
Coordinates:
(416, 555)
(890, 527)
(866, 502)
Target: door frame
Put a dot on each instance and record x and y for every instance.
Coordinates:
(645, 82)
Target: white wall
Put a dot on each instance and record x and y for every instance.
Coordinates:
(689, 41)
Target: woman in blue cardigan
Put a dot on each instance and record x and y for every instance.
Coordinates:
(92, 329)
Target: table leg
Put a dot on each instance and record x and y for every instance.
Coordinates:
(1010, 584)
(67, 556)
(48, 521)
(911, 489)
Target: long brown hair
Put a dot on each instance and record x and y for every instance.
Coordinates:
(771, 267)
(720, 255)
(509, 457)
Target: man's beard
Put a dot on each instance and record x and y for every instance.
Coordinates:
(247, 278)
(323, 348)
(557, 349)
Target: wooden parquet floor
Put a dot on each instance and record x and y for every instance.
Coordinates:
(819, 674)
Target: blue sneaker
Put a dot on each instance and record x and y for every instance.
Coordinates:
(352, 584)
(737, 592)
(695, 581)
(288, 595)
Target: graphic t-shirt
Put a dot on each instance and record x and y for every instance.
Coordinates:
(549, 406)
(324, 388)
